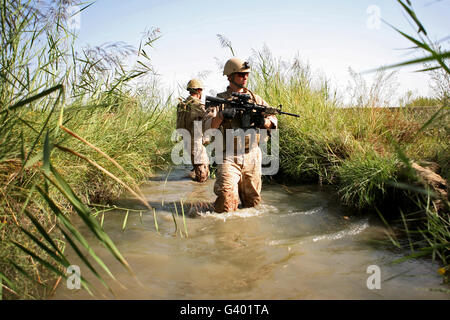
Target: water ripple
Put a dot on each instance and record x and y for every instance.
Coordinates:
(241, 213)
(353, 230)
(305, 213)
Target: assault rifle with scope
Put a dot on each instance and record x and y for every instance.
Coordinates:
(252, 114)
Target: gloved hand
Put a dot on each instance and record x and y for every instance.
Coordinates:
(229, 113)
(258, 120)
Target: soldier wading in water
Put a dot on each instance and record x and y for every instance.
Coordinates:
(189, 110)
(239, 175)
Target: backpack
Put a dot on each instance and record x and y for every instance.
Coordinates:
(182, 115)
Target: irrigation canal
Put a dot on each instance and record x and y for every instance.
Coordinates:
(298, 244)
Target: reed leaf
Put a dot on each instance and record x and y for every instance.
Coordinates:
(74, 231)
(43, 232)
(413, 15)
(124, 225)
(184, 218)
(8, 282)
(25, 273)
(45, 123)
(46, 155)
(156, 222)
(33, 98)
(137, 193)
(432, 57)
(39, 259)
(85, 261)
(101, 222)
(175, 222)
(84, 214)
(177, 216)
(57, 258)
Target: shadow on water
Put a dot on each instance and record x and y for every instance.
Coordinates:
(299, 243)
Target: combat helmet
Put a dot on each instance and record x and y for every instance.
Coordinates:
(235, 65)
(194, 84)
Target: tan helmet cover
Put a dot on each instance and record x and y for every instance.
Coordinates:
(194, 84)
(235, 65)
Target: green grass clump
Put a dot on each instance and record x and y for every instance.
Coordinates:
(130, 134)
(364, 178)
(330, 143)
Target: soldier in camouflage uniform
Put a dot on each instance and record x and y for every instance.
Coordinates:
(190, 110)
(239, 176)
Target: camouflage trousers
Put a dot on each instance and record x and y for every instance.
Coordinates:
(238, 179)
(199, 159)
(200, 173)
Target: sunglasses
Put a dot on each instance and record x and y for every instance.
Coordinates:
(242, 74)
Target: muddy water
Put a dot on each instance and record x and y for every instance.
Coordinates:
(298, 244)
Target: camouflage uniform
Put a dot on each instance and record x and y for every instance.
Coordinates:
(239, 176)
(195, 111)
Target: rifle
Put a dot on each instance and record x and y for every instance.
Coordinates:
(252, 113)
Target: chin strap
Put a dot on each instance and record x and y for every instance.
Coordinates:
(237, 85)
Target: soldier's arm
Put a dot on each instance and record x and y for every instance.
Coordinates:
(212, 118)
(198, 111)
(270, 120)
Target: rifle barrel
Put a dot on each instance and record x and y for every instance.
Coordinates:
(214, 99)
(290, 114)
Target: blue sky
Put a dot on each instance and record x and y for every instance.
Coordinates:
(330, 35)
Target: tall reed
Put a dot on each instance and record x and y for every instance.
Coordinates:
(71, 128)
